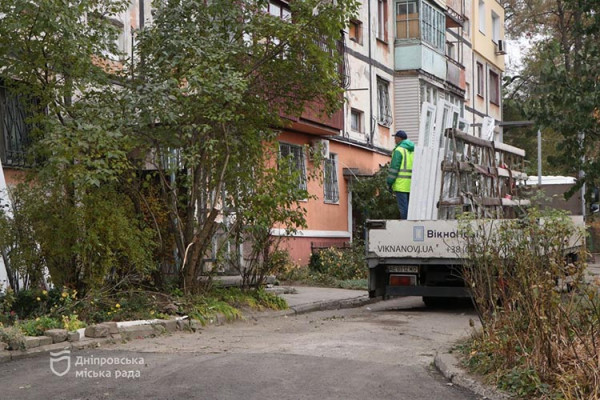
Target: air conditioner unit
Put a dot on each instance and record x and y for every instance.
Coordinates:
(321, 145)
(501, 47)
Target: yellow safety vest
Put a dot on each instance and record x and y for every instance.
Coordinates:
(402, 182)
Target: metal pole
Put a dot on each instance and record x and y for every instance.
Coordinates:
(539, 155)
(581, 174)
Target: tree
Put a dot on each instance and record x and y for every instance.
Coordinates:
(371, 199)
(211, 88)
(558, 87)
(81, 222)
(567, 91)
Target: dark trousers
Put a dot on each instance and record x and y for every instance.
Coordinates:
(403, 198)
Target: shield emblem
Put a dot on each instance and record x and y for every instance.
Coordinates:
(55, 362)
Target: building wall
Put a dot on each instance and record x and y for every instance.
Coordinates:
(407, 105)
(328, 222)
(369, 59)
(484, 51)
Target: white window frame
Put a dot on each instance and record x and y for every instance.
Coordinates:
(495, 27)
(481, 9)
(278, 9)
(381, 19)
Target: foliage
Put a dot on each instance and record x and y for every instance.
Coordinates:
(539, 316)
(73, 218)
(7, 314)
(252, 250)
(38, 326)
(372, 200)
(342, 264)
(87, 243)
(558, 87)
(214, 89)
(72, 323)
(13, 337)
(229, 301)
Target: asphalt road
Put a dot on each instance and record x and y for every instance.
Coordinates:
(382, 351)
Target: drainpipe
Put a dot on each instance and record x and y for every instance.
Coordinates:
(141, 16)
(371, 127)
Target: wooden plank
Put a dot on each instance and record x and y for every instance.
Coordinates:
(507, 148)
(470, 139)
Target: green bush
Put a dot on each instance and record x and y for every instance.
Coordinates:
(38, 326)
(13, 337)
(341, 264)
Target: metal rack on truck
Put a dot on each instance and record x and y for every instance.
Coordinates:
(423, 257)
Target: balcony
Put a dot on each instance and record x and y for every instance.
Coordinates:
(455, 74)
(314, 123)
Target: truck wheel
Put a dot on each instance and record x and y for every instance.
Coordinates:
(434, 301)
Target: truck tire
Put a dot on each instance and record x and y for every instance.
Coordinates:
(434, 302)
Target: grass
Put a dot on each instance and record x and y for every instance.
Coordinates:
(304, 276)
(38, 312)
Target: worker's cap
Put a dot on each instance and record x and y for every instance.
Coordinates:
(401, 134)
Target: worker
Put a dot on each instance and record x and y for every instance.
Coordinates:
(400, 171)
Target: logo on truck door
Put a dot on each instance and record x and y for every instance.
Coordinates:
(418, 233)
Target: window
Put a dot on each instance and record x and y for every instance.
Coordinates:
(296, 155)
(429, 25)
(451, 50)
(480, 79)
(278, 9)
(429, 93)
(356, 118)
(494, 88)
(495, 27)
(355, 33)
(331, 190)
(381, 19)
(14, 131)
(434, 26)
(482, 16)
(384, 116)
(407, 20)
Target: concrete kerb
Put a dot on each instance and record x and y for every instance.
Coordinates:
(128, 330)
(114, 332)
(449, 367)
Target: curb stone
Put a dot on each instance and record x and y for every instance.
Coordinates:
(143, 329)
(449, 367)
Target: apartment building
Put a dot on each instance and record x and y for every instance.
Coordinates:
(357, 140)
(485, 64)
(403, 61)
